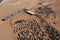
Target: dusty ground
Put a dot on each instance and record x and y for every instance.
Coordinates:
(10, 6)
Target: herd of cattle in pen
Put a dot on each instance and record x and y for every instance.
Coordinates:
(31, 30)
